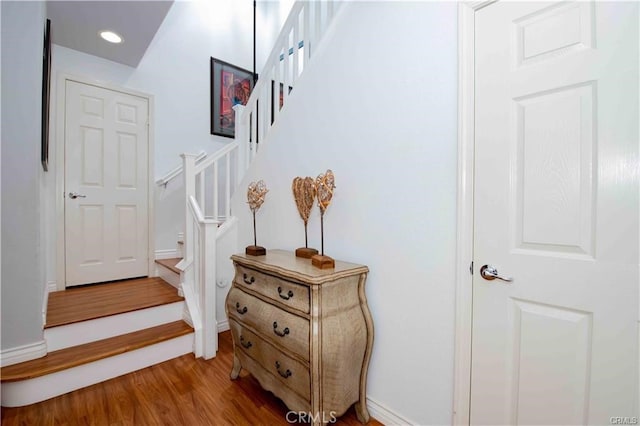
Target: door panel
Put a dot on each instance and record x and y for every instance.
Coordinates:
(106, 162)
(554, 178)
(556, 208)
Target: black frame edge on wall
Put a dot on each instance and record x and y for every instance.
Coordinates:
(46, 83)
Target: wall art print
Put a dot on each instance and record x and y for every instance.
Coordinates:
(230, 86)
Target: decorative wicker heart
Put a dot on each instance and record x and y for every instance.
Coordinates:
(325, 184)
(255, 194)
(304, 192)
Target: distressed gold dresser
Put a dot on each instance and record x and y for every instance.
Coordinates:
(304, 333)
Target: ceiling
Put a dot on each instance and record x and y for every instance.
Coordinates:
(75, 24)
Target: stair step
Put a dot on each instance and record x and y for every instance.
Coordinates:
(102, 300)
(170, 263)
(79, 333)
(90, 352)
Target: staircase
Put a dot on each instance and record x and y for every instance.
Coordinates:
(98, 332)
(211, 183)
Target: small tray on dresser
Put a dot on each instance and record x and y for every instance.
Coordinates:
(304, 333)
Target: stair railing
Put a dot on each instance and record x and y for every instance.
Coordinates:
(296, 44)
(210, 183)
(208, 190)
(177, 171)
(199, 281)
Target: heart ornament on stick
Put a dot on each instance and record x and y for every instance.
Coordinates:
(304, 193)
(325, 184)
(255, 194)
(255, 197)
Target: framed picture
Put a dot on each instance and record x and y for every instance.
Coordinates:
(46, 81)
(230, 85)
(281, 102)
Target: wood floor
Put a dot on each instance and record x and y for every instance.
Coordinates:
(96, 301)
(183, 391)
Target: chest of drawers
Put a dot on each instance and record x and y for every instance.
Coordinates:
(304, 333)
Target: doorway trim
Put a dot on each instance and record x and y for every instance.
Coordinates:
(464, 219)
(61, 272)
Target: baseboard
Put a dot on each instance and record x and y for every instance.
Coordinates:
(167, 254)
(52, 286)
(384, 415)
(23, 353)
(223, 325)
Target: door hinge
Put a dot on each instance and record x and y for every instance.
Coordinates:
(471, 268)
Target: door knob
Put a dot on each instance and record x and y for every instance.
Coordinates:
(489, 273)
(74, 195)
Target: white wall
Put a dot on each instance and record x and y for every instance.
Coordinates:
(22, 259)
(378, 106)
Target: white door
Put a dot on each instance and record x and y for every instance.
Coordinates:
(106, 184)
(557, 208)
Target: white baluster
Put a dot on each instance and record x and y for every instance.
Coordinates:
(296, 50)
(188, 164)
(216, 191)
(227, 189)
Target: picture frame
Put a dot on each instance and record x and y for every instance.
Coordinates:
(230, 85)
(281, 96)
(46, 83)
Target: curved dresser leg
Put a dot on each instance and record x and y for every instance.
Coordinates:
(235, 371)
(361, 406)
(361, 412)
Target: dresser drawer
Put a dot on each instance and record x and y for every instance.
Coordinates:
(281, 327)
(291, 373)
(288, 293)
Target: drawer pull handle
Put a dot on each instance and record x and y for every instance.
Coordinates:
(280, 333)
(240, 311)
(248, 281)
(245, 344)
(287, 296)
(286, 374)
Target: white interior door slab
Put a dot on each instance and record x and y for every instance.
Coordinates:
(106, 184)
(556, 203)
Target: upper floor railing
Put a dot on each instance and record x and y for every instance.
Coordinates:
(295, 46)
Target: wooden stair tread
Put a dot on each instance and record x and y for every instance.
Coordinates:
(94, 351)
(101, 300)
(170, 263)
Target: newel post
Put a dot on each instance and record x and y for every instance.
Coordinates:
(242, 139)
(208, 291)
(188, 168)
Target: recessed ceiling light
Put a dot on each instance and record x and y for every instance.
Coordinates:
(111, 37)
